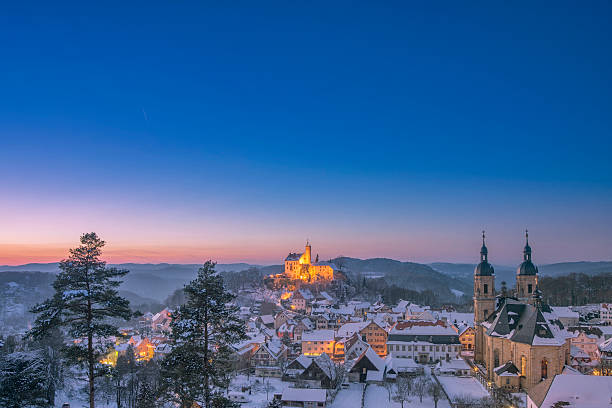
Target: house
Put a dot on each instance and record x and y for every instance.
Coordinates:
(360, 368)
(303, 325)
(300, 299)
(354, 346)
(605, 312)
(269, 358)
(401, 367)
(298, 365)
(425, 342)
(318, 341)
(466, 337)
(507, 377)
(605, 350)
(266, 320)
(144, 350)
(562, 390)
(160, 322)
(566, 315)
(582, 361)
(587, 339)
(320, 373)
(376, 336)
(280, 319)
(304, 397)
(455, 366)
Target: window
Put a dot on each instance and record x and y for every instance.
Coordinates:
(496, 358)
(523, 366)
(529, 288)
(486, 288)
(544, 369)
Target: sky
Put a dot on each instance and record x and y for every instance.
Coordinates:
(186, 131)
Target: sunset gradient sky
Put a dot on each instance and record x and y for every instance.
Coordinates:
(182, 132)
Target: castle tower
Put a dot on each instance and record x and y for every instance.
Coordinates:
(306, 258)
(484, 297)
(526, 275)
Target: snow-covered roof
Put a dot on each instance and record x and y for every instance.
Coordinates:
(454, 364)
(304, 395)
(267, 319)
(565, 311)
(348, 329)
(584, 391)
(606, 346)
(318, 335)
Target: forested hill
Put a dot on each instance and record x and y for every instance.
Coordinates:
(465, 272)
(409, 275)
(576, 289)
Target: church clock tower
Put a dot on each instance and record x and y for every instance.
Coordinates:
(484, 297)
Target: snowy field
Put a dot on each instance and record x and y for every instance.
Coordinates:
(377, 397)
(348, 398)
(461, 386)
(258, 398)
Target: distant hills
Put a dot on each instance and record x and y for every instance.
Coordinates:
(154, 282)
(465, 272)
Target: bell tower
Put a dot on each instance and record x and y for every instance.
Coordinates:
(526, 275)
(484, 297)
(484, 286)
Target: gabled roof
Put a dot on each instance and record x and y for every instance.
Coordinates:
(524, 323)
(370, 355)
(585, 391)
(508, 369)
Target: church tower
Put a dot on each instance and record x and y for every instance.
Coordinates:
(526, 275)
(484, 297)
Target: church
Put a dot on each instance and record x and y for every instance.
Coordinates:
(519, 341)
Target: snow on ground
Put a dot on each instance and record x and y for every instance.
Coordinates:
(257, 398)
(348, 398)
(459, 386)
(376, 396)
(457, 292)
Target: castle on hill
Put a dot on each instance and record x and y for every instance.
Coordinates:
(300, 267)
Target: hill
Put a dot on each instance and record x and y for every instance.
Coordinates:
(408, 275)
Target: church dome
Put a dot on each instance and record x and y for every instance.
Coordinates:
(484, 268)
(527, 267)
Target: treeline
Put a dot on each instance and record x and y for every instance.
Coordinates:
(576, 289)
(380, 289)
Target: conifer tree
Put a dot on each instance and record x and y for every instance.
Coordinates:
(85, 299)
(202, 330)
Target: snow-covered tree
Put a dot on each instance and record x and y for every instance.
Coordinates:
(403, 389)
(436, 392)
(203, 330)
(23, 380)
(85, 299)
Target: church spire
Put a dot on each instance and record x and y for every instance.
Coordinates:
(527, 250)
(484, 252)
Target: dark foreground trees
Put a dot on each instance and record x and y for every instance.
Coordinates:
(85, 299)
(202, 330)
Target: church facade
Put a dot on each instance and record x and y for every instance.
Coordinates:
(519, 341)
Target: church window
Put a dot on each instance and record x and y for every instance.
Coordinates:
(544, 369)
(486, 313)
(529, 288)
(523, 366)
(486, 288)
(496, 358)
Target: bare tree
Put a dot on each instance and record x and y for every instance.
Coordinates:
(268, 387)
(435, 390)
(420, 387)
(404, 386)
(389, 387)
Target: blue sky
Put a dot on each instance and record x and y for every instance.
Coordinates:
(182, 131)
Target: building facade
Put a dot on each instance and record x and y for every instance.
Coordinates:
(519, 336)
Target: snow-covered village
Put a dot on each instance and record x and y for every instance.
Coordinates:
(309, 336)
(306, 204)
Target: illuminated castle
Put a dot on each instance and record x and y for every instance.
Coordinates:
(300, 266)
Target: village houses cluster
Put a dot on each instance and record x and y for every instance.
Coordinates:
(312, 340)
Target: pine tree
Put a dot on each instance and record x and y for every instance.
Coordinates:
(202, 330)
(85, 299)
(23, 380)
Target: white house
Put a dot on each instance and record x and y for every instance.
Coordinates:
(304, 397)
